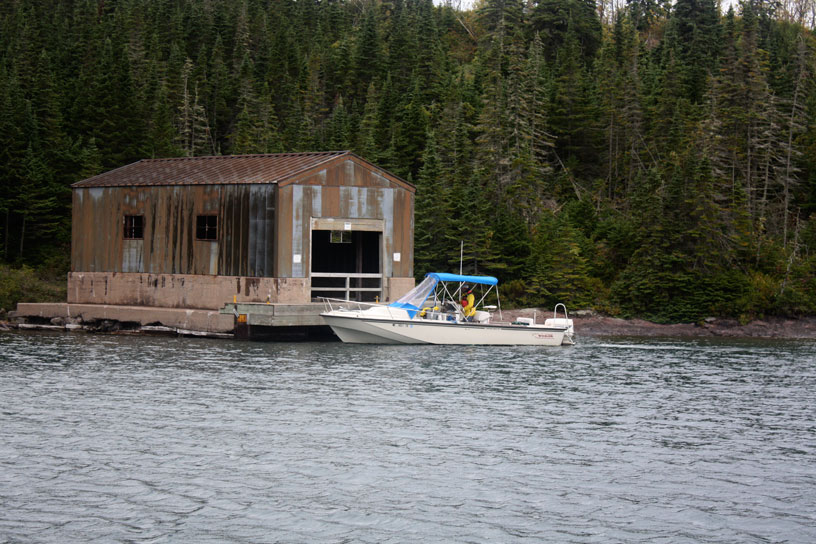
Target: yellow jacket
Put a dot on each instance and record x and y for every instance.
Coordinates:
(469, 309)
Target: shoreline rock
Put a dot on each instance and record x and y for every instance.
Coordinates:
(591, 325)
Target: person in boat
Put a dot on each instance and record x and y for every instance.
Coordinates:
(468, 303)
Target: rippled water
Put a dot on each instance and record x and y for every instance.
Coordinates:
(133, 439)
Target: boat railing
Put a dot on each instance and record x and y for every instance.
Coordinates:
(332, 304)
(425, 313)
(555, 312)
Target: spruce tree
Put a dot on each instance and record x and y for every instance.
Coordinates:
(431, 213)
(697, 31)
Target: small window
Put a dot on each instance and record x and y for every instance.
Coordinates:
(207, 227)
(340, 237)
(134, 227)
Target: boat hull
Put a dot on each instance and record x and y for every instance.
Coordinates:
(357, 329)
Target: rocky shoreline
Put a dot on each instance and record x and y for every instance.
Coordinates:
(592, 325)
(587, 324)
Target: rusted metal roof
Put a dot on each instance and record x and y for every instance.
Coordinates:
(224, 170)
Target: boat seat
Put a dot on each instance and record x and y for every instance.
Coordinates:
(481, 317)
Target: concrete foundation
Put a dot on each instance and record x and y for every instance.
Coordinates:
(187, 320)
(277, 315)
(187, 304)
(197, 291)
(243, 320)
(181, 290)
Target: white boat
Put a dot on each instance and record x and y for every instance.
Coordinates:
(431, 314)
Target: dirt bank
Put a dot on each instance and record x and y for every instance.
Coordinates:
(588, 324)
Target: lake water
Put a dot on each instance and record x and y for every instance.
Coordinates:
(135, 439)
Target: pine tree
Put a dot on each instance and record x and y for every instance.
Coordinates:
(366, 142)
(338, 130)
(39, 204)
(219, 93)
(367, 52)
(162, 141)
(796, 121)
(192, 126)
(409, 136)
(13, 153)
(559, 269)
(572, 116)
(269, 136)
(697, 30)
(622, 107)
(537, 90)
(428, 69)
(555, 19)
(431, 212)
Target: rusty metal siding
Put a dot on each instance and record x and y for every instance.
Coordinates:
(80, 212)
(98, 223)
(313, 208)
(170, 245)
(204, 255)
(298, 218)
(238, 246)
(262, 230)
(389, 243)
(230, 214)
(170, 218)
(347, 189)
(283, 224)
(404, 233)
(133, 256)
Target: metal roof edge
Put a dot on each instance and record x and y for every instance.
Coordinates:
(83, 182)
(323, 159)
(344, 155)
(329, 155)
(393, 177)
(333, 156)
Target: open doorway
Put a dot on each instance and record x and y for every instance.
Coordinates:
(347, 264)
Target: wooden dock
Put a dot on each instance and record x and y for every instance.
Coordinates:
(276, 315)
(260, 321)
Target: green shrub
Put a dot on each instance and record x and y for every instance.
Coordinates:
(29, 285)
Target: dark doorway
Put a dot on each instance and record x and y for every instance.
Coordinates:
(336, 255)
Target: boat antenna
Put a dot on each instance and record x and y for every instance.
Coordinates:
(461, 254)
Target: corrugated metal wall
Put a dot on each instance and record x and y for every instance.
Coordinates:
(246, 230)
(348, 190)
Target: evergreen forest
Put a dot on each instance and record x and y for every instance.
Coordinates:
(640, 158)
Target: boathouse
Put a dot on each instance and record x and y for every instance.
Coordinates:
(201, 232)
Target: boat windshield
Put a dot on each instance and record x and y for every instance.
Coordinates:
(416, 296)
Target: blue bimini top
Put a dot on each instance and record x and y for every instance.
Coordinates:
(482, 280)
(415, 298)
